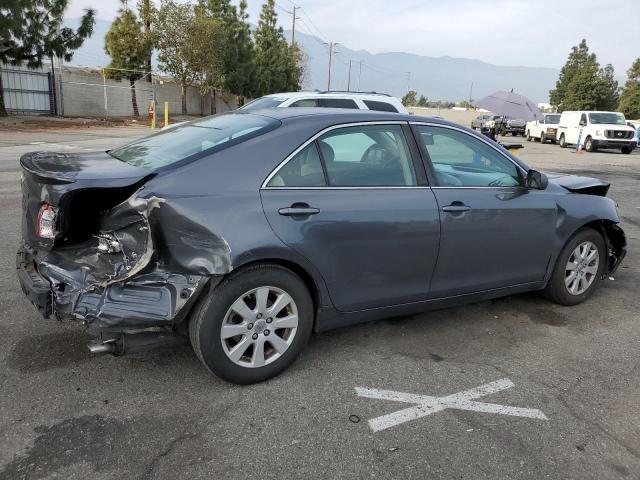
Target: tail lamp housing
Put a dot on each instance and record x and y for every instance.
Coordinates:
(46, 222)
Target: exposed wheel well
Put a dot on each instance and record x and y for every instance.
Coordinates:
(295, 268)
(614, 239)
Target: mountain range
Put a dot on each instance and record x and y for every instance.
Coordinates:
(438, 78)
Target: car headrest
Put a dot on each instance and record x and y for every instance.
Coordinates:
(327, 152)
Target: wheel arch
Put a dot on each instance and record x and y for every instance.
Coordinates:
(614, 239)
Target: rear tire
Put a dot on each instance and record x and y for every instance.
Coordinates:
(562, 142)
(260, 350)
(574, 278)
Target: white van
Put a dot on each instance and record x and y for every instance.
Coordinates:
(593, 130)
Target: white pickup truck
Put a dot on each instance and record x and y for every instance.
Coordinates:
(544, 129)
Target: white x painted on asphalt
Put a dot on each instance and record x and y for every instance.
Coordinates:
(426, 404)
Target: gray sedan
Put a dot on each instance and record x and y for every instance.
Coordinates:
(248, 231)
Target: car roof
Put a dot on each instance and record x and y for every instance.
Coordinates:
(333, 93)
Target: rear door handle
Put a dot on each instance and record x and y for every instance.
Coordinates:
(456, 208)
(291, 211)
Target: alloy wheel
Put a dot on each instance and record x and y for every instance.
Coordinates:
(582, 268)
(259, 327)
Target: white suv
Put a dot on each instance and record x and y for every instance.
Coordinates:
(594, 130)
(330, 99)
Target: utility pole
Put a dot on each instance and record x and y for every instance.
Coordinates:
(293, 26)
(146, 13)
(471, 94)
(331, 52)
(349, 80)
(408, 81)
(360, 76)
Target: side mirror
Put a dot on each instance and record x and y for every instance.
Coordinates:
(537, 180)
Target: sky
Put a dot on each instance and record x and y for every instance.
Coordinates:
(502, 32)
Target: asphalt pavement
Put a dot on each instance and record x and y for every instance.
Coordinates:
(515, 388)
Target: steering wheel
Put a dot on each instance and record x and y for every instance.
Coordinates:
(370, 154)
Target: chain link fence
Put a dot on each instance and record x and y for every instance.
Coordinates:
(74, 91)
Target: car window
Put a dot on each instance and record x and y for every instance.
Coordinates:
(583, 119)
(305, 102)
(338, 103)
(462, 160)
(371, 155)
(195, 138)
(303, 170)
(380, 106)
(263, 102)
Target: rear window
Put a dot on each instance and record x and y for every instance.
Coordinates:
(380, 106)
(338, 103)
(192, 138)
(264, 102)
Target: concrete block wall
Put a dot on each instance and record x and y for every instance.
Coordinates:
(83, 93)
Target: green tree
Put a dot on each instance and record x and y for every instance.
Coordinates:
(608, 90)
(205, 56)
(630, 95)
(422, 101)
(410, 98)
(125, 43)
(31, 30)
(583, 85)
(276, 66)
(239, 66)
(146, 12)
(171, 28)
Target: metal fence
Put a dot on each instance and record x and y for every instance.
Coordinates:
(28, 91)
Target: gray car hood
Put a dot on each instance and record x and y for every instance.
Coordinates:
(579, 184)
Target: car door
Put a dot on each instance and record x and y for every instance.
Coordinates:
(494, 232)
(354, 201)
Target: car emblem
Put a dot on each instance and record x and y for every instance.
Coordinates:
(619, 134)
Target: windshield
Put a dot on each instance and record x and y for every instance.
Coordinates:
(180, 142)
(263, 102)
(552, 119)
(608, 118)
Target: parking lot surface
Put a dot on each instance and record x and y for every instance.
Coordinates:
(574, 370)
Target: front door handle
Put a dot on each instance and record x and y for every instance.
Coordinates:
(456, 207)
(298, 209)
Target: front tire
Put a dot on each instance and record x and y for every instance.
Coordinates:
(253, 325)
(542, 139)
(589, 146)
(626, 150)
(579, 268)
(528, 136)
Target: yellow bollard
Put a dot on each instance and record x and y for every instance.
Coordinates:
(166, 114)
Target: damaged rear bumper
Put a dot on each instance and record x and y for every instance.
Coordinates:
(144, 301)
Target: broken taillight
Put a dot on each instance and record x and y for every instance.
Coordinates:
(46, 224)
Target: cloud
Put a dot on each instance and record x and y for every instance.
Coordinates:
(503, 32)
